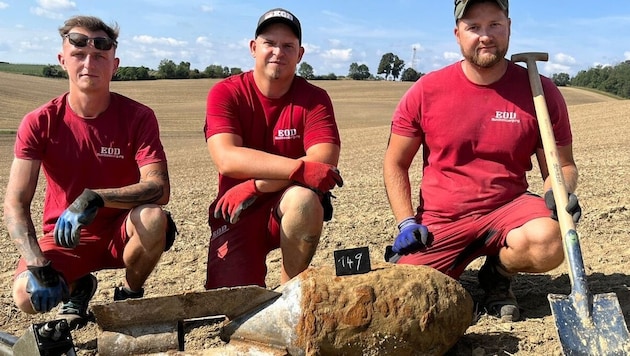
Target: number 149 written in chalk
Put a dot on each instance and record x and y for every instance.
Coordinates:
(352, 261)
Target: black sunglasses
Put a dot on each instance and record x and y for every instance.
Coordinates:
(80, 40)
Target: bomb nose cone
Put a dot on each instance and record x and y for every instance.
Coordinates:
(274, 322)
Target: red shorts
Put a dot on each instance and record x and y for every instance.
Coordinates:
(457, 243)
(237, 254)
(101, 247)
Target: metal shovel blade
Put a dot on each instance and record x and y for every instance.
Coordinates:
(587, 324)
(602, 331)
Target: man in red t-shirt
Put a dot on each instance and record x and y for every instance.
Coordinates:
(274, 140)
(476, 123)
(106, 179)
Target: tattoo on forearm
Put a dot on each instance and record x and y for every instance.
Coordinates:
(24, 236)
(149, 190)
(142, 193)
(163, 175)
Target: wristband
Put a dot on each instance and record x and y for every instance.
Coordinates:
(406, 222)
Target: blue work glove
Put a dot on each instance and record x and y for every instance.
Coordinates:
(81, 212)
(45, 287)
(412, 237)
(573, 206)
(235, 200)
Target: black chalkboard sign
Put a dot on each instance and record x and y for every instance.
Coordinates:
(352, 261)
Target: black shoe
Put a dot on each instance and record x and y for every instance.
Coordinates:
(122, 293)
(499, 299)
(75, 310)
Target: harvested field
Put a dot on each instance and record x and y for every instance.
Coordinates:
(362, 216)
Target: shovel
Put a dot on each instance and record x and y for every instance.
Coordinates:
(586, 324)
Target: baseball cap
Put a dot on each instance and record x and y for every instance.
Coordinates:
(280, 15)
(462, 5)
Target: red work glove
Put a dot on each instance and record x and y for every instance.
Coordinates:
(235, 200)
(317, 175)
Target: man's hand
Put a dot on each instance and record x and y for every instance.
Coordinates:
(235, 200)
(45, 287)
(573, 206)
(412, 237)
(81, 212)
(317, 175)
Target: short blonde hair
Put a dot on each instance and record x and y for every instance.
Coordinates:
(90, 23)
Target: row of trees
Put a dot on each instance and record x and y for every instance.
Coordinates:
(391, 66)
(610, 79)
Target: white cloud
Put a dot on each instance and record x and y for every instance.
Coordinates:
(310, 48)
(418, 47)
(167, 41)
(564, 58)
(38, 11)
(334, 42)
(552, 68)
(207, 8)
(52, 8)
(338, 54)
(599, 64)
(239, 45)
(57, 4)
(452, 56)
(204, 42)
(626, 55)
(3, 5)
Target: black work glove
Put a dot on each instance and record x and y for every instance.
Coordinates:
(573, 206)
(327, 205)
(171, 231)
(45, 287)
(81, 212)
(412, 237)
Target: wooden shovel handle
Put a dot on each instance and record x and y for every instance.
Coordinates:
(570, 239)
(548, 140)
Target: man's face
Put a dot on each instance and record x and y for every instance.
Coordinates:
(483, 34)
(277, 52)
(88, 67)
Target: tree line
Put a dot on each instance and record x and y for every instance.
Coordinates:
(391, 66)
(611, 79)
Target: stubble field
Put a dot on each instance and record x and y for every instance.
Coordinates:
(362, 216)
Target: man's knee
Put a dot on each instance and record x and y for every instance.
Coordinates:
(148, 225)
(21, 298)
(549, 248)
(300, 199)
(551, 256)
(148, 217)
(537, 245)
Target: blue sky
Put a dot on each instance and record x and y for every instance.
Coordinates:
(577, 34)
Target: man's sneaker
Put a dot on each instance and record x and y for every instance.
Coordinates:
(122, 293)
(75, 309)
(499, 299)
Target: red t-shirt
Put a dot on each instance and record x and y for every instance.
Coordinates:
(286, 126)
(477, 141)
(78, 153)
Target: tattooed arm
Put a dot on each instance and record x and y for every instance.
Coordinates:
(17, 210)
(154, 188)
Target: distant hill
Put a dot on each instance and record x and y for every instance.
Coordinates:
(28, 69)
(175, 100)
(22, 93)
(578, 96)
